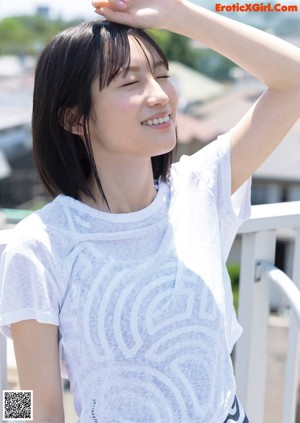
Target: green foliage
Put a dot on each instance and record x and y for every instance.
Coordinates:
(214, 65)
(24, 35)
(234, 273)
(179, 48)
(28, 34)
(176, 47)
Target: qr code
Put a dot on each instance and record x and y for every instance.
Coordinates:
(17, 405)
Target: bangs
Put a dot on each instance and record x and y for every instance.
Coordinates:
(112, 43)
(65, 70)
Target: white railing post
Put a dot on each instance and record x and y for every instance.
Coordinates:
(251, 350)
(292, 364)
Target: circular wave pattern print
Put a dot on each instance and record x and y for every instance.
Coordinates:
(155, 340)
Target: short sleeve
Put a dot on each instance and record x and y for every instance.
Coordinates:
(209, 218)
(233, 209)
(214, 168)
(28, 288)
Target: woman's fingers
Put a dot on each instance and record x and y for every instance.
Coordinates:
(138, 13)
(112, 4)
(113, 10)
(120, 11)
(112, 15)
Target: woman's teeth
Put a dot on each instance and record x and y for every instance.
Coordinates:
(157, 121)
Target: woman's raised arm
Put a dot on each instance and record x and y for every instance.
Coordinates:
(273, 61)
(36, 350)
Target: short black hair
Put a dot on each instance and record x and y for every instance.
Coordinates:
(66, 68)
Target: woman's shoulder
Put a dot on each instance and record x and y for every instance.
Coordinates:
(209, 154)
(39, 228)
(206, 164)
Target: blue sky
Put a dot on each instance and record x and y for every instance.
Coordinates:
(67, 8)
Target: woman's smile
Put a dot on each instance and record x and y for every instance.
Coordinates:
(142, 97)
(159, 121)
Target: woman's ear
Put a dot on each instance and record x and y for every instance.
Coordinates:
(71, 121)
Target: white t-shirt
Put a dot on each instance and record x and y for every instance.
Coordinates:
(143, 300)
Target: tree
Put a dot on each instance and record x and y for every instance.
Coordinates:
(179, 48)
(176, 47)
(27, 34)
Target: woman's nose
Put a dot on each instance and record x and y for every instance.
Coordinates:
(156, 95)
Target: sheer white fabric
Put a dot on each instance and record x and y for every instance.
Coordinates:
(143, 300)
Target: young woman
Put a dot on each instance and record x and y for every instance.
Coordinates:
(120, 282)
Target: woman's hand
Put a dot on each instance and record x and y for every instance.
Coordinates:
(271, 60)
(138, 13)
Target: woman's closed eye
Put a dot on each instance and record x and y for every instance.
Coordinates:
(127, 84)
(133, 82)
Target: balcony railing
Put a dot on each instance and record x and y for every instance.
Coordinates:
(259, 235)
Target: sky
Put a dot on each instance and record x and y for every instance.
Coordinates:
(68, 9)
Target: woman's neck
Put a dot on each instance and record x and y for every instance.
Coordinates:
(128, 187)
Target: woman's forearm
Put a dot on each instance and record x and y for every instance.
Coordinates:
(273, 61)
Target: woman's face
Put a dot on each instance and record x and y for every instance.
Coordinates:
(135, 115)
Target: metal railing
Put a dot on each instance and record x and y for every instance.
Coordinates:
(259, 235)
